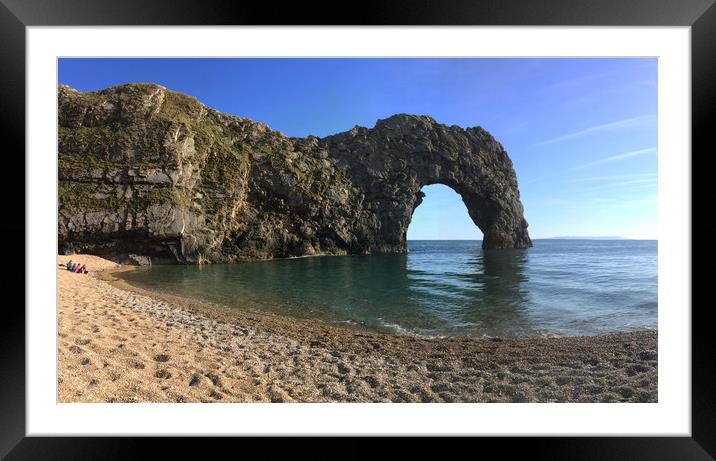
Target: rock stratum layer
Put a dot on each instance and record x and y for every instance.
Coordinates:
(148, 175)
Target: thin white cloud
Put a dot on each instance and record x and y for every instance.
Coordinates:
(617, 177)
(581, 80)
(616, 158)
(537, 179)
(596, 179)
(649, 183)
(619, 124)
(633, 182)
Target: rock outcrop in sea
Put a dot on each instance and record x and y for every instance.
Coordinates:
(148, 175)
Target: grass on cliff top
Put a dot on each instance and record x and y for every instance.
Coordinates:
(180, 108)
(143, 132)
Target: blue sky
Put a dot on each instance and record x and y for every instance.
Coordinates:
(582, 133)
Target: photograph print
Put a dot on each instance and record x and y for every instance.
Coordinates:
(283, 230)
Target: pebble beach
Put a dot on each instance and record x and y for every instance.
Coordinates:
(119, 343)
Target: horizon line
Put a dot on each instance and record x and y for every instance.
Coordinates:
(565, 237)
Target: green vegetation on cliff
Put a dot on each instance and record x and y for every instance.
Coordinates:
(81, 197)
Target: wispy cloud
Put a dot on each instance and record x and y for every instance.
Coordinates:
(579, 81)
(595, 179)
(618, 75)
(616, 177)
(537, 179)
(619, 124)
(649, 183)
(616, 158)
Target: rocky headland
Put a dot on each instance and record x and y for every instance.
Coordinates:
(148, 175)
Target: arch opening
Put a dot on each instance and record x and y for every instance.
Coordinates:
(442, 214)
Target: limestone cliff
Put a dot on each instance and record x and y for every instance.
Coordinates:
(150, 175)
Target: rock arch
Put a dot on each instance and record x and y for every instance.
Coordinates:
(394, 160)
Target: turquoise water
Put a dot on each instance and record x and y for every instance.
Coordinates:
(442, 288)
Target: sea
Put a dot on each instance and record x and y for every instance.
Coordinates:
(448, 288)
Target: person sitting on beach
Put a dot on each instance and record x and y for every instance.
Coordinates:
(83, 269)
(78, 269)
(69, 264)
(72, 267)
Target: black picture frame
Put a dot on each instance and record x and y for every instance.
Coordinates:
(700, 15)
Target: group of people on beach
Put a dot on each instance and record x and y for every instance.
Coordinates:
(76, 268)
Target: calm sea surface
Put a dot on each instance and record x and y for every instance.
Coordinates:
(442, 288)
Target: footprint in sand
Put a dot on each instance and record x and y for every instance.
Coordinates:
(162, 374)
(76, 349)
(86, 361)
(161, 358)
(194, 380)
(215, 380)
(82, 341)
(137, 364)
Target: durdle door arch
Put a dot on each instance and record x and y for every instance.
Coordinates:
(402, 154)
(151, 176)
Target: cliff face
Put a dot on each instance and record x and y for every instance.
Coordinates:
(147, 175)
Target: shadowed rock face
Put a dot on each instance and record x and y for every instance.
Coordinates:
(147, 175)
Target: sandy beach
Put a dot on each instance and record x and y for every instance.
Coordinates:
(118, 343)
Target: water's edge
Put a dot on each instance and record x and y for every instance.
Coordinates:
(220, 312)
(441, 289)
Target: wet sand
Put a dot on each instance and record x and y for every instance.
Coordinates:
(118, 343)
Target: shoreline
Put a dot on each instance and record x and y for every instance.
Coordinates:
(225, 313)
(193, 351)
